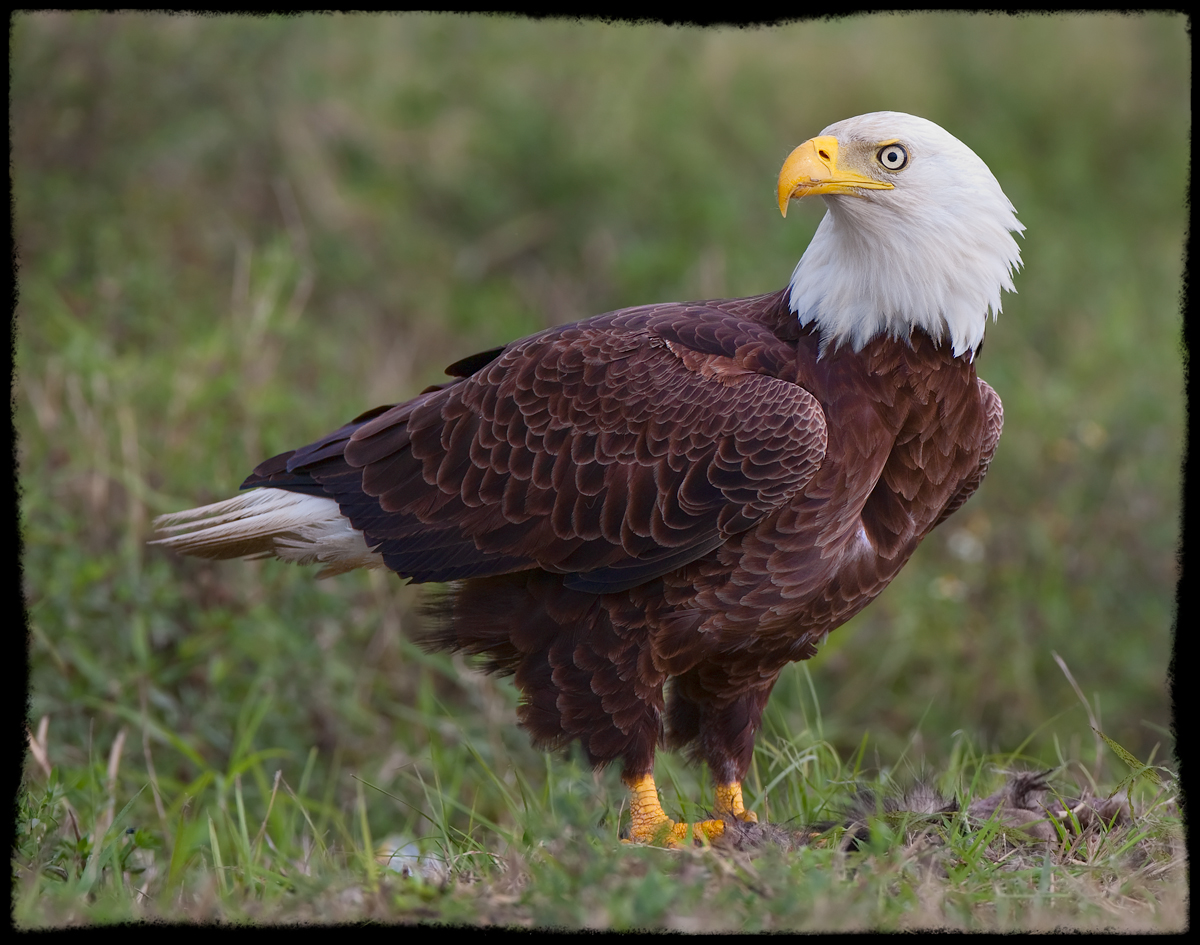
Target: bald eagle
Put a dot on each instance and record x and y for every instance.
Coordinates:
(646, 515)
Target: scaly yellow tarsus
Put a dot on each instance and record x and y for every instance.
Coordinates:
(650, 823)
(729, 802)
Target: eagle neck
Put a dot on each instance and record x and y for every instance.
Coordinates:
(883, 268)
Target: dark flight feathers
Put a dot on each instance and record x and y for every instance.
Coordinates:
(612, 451)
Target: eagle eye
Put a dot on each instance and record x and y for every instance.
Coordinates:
(892, 156)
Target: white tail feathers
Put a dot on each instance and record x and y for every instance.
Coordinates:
(270, 523)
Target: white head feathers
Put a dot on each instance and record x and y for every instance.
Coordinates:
(933, 252)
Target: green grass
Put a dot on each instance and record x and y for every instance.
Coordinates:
(236, 233)
(242, 847)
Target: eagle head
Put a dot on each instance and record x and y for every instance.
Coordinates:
(918, 233)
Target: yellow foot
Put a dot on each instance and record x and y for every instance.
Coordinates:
(728, 803)
(652, 825)
(669, 833)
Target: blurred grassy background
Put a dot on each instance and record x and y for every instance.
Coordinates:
(236, 233)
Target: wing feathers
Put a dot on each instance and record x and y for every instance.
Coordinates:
(616, 449)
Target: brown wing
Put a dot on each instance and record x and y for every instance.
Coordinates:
(613, 450)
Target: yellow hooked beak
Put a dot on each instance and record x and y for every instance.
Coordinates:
(812, 169)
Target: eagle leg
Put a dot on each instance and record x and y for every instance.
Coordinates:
(651, 823)
(719, 730)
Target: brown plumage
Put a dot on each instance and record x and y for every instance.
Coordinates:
(648, 514)
(672, 491)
